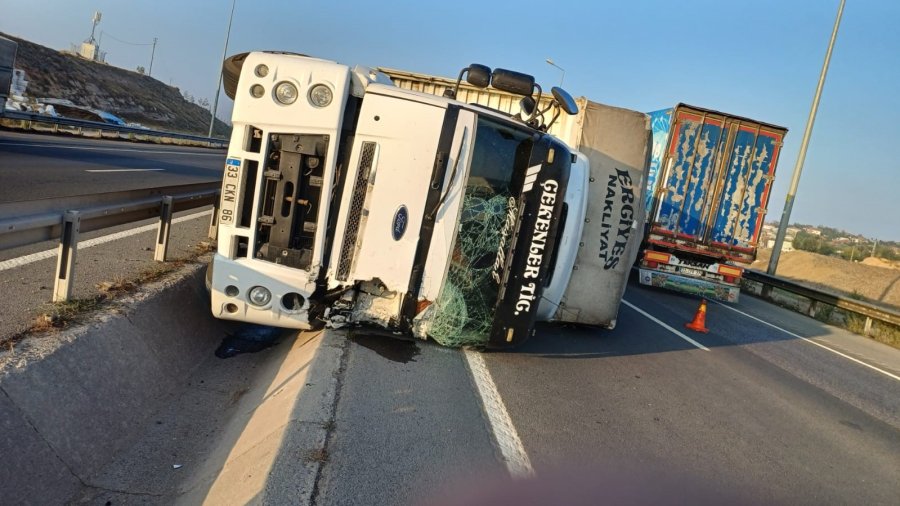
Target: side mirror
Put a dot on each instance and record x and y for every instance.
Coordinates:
(527, 105)
(478, 75)
(565, 101)
(513, 82)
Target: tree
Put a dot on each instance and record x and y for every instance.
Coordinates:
(141, 69)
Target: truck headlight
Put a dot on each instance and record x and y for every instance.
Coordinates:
(286, 93)
(320, 95)
(259, 296)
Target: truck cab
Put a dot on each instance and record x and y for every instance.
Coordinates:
(349, 201)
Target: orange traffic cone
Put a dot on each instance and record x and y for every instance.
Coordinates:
(699, 323)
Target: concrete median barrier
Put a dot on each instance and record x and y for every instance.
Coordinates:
(70, 401)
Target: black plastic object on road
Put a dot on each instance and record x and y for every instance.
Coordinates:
(249, 338)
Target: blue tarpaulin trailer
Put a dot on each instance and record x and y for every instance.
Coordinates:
(707, 195)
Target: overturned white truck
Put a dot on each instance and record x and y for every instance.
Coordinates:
(347, 200)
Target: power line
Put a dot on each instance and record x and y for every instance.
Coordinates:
(103, 32)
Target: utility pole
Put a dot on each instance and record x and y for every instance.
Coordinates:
(94, 22)
(873, 248)
(801, 156)
(212, 120)
(152, 54)
(561, 79)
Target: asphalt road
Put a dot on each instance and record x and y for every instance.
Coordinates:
(632, 415)
(636, 412)
(36, 166)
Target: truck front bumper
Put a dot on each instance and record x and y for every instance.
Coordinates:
(230, 283)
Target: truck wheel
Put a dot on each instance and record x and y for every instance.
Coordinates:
(231, 72)
(208, 277)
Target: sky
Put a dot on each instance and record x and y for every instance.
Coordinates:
(759, 59)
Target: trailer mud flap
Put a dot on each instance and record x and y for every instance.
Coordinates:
(528, 260)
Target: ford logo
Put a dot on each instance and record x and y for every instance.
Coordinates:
(401, 218)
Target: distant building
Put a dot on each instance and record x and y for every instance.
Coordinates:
(89, 51)
(813, 231)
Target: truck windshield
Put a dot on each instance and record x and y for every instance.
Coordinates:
(465, 308)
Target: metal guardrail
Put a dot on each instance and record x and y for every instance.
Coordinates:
(57, 122)
(870, 311)
(30, 222)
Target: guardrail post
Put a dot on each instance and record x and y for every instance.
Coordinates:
(214, 219)
(867, 328)
(65, 259)
(165, 225)
(813, 306)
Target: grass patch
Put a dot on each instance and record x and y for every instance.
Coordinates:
(857, 296)
(318, 455)
(824, 312)
(887, 334)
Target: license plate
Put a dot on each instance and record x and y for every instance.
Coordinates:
(230, 187)
(687, 271)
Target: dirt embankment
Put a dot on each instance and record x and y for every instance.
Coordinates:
(876, 280)
(132, 96)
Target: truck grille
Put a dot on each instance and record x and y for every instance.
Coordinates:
(356, 203)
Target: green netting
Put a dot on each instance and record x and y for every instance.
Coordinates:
(465, 308)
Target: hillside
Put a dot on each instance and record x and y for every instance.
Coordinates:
(879, 284)
(129, 95)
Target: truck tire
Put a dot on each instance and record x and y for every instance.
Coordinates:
(231, 72)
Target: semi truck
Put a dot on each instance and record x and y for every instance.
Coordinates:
(707, 194)
(349, 200)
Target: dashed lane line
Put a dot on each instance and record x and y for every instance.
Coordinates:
(513, 452)
(123, 170)
(97, 148)
(808, 340)
(50, 253)
(664, 325)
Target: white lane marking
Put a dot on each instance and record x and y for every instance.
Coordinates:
(664, 325)
(820, 345)
(96, 148)
(50, 253)
(517, 462)
(122, 170)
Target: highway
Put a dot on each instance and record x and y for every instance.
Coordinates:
(755, 415)
(761, 417)
(42, 166)
(768, 407)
